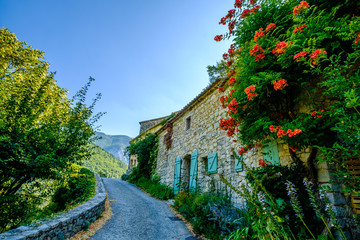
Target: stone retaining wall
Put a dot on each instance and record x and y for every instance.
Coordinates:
(64, 225)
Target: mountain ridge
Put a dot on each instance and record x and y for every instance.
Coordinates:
(114, 144)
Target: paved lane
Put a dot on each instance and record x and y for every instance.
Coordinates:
(137, 216)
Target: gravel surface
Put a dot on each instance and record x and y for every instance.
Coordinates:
(138, 216)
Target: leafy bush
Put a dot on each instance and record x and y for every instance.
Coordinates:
(125, 177)
(210, 214)
(43, 199)
(78, 187)
(155, 188)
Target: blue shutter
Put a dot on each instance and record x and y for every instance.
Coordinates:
(271, 153)
(212, 163)
(238, 164)
(177, 175)
(193, 171)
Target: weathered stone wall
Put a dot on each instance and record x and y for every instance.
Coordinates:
(64, 225)
(145, 125)
(205, 136)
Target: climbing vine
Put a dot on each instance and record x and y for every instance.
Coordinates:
(146, 151)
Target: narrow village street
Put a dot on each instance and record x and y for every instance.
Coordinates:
(137, 216)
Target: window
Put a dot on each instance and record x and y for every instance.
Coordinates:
(188, 123)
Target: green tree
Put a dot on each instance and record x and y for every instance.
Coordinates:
(41, 131)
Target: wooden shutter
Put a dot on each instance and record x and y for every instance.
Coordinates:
(193, 171)
(353, 166)
(177, 175)
(271, 153)
(238, 164)
(212, 163)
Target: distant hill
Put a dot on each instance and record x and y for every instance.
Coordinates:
(104, 163)
(114, 144)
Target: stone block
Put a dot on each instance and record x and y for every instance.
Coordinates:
(323, 176)
(336, 198)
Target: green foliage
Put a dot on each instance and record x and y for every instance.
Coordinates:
(318, 92)
(125, 177)
(42, 132)
(143, 175)
(155, 188)
(76, 188)
(43, 199)
(210, 214)
(104, 163)
(165, 120)
(217, 71)
(146, 151)
(272, 180)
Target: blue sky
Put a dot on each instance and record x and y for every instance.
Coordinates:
(149, 58)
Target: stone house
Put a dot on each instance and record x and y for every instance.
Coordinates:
(194, 152)
(146, 127)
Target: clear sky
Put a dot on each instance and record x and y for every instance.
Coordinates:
(149, 58)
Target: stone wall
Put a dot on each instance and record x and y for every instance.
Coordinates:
(145, 125)
(64, 225)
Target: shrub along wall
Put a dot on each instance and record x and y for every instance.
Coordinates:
(66, 224)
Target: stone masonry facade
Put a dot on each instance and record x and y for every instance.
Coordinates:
(196, 127)
(64, 225)
(203, 115)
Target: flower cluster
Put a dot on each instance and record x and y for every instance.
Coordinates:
(280, 48)
(277, 116)
(231, 50)
(230, 15)
(222, 100)
(299, 28)
(231, 81)
(242, 151)
(231, 73)
(229, 125)
(221, 89)
(357, 39)
(231, 26)
(262, 163)
(233, 105)
(262, 199)
(259, 34)
(291, 191)
(225, 56)
(280, 85)
(238, 3)
(245, 13)
(255, 49)
(300, 54)
(315, 55)
(292, 148)
(218, 38)
(270, 27)
(298, 9)
(229, 63)
(255, 9)
(259, 57)
(281, 132)
(250, 92)
(315, 114)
